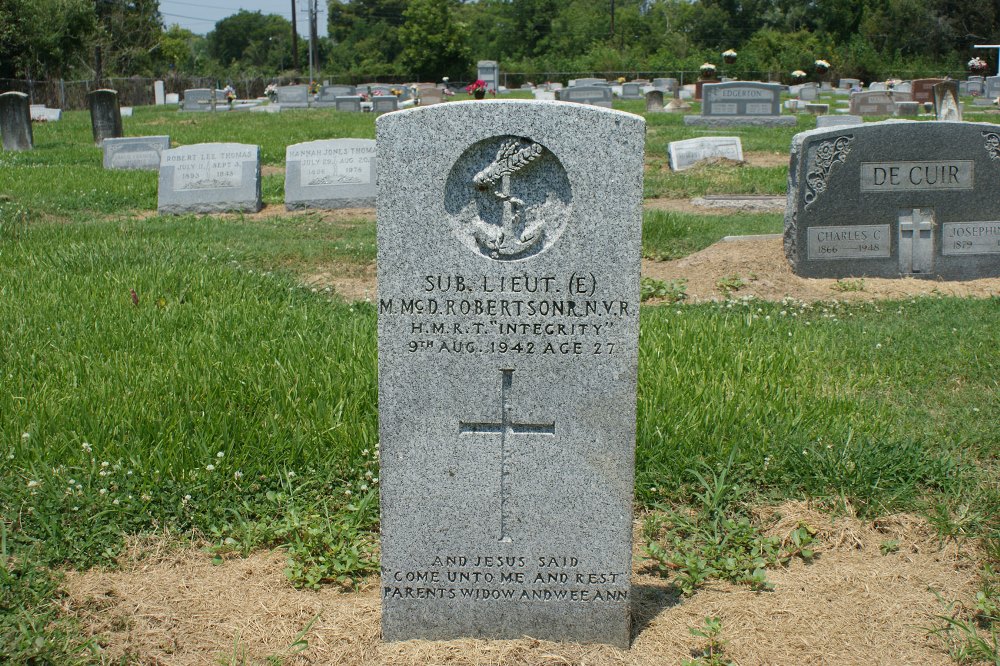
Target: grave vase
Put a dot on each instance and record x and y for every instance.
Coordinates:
(479, 94)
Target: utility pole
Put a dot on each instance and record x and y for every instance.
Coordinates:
(314, 34)
(295, 39)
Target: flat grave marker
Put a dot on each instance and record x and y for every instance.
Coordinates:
(685, 154)
(895, 199)
(330, 173)
(210, 178)
(140, 153)
(508, 253)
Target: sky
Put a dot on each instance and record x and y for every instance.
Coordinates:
(200, 17)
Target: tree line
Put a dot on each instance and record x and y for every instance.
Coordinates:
(431, 39)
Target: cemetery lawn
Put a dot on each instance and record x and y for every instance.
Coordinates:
(181, 381)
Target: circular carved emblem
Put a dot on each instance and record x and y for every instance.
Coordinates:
(508, 198)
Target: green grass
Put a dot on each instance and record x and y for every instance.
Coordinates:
(233, 403)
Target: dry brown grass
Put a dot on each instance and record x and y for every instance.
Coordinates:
(853, 605)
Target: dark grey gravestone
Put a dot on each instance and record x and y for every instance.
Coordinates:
(210, 178)
(15, 122)
(293, 97)
(654, 100)
(595, 95)
(687, 153)
(105, 116)
(348, 103)
(508, 253)
(331, 173)
(740, 103)
(895, 199)
(135, 153)
(946, 104)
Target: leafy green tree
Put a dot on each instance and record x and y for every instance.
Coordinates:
(128, 36)
(365, 35)
(434, 43)
(252, 39)
(44, 38)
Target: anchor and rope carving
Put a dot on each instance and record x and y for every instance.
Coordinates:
(512, 238)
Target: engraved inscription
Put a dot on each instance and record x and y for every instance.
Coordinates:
(868, 241)
(911, 176)
(132, 159)
(505, 577)
(970, 238)
(724, 108)
(543, 315)
(208, 171)
(758, 109)
(324, 166)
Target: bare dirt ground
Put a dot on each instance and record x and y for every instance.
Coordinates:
(761, 265)
(852, 605)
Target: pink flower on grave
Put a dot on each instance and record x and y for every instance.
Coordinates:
(135, 297)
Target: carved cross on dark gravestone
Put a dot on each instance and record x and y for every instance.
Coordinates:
(506, 426)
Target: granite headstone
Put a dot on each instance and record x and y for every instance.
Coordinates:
(654, 100)
(105, 116)
(508, 254)
(210, 178)
(140, 153)
(595, 95)
(330, 173)
(923, 89)
(293, 97)
(740, 103)
(879, 103)
(946, 104)
(15, 122)
(197, 99)
(895, 199)
(384, 103)
(348, 103)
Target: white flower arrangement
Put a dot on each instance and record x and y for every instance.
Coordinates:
(977, 63)
(729, 53)
(822, 64)
(707, 67)
(798, 74)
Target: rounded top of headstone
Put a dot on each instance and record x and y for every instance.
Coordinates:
(13, 93)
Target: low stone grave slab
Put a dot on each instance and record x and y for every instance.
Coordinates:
(895, 199)
(744, 202)
(508, 315)
(838, 121)
(139, 153)
(685, 154)
(330, 173)
(210, 178)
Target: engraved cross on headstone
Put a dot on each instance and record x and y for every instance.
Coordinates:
(506, 426)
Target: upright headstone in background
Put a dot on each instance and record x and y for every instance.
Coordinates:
(197, 99)
(741, 103)
(105, 116)
(330, 173)
(328, 94)
(895, 199)
(991, 87)
(631, 90)
(384, 103)
(923, 90)
(489, 71)
(879, 103)
(210, 178)
(348, 103)
(654, 100)
(508, 253)
(946, 104)
(15, 122)
(596, 95)
(293, 97)
(140, 153)
(159, 98)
